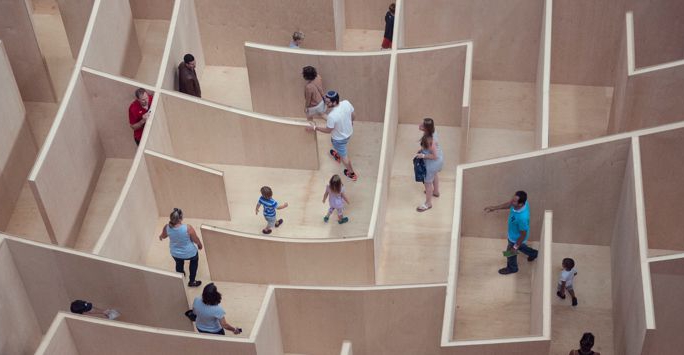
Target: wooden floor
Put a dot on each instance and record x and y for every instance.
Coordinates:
(227, 85)
(578, 113)
(151, 39)
(303, 190)
(362, 40)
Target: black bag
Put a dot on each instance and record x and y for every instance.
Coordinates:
(191, 315)
(419, 169)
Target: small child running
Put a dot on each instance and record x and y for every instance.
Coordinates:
(334, 192)
(566, 277)
(270, 207)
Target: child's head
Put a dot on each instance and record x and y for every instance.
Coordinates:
(266, 192)
(426, 141)
(587, 342)
(568, 263)
(335, 184)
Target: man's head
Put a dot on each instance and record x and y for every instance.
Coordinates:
(391, 8)
(141, 96)
(332, 98)
(297, 37)
(309, 73)
(519, 199)
(189, 61)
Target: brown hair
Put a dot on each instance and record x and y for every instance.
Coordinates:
(266, 192)
(426, 141)
(175, 217)
(429, 126)
(336, 184)
(139, 93)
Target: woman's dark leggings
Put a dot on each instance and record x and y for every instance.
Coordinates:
(194, 262)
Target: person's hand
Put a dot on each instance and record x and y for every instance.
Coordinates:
(237, 331)
(160, 238)
(323, 201)
(311, 127)
(200, 246)
(256, 211)
(285, 205)
(420, 156)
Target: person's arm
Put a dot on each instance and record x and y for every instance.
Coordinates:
(344, 197)
(562, 287)
(280, 207)
(502, 206)
(225, 325)
(325, 195)
(520, 240)
(432, 155)
(193, 236)
(256, 210)
(314, 128)
(353, 117)
(163, 234)
(139, 123)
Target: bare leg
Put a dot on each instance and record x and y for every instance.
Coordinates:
(429, 189)
(347, 164)
(435, 182)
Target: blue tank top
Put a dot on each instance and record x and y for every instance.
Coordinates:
(180, 243)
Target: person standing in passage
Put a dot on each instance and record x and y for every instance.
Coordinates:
(432, 154)
(297, 38)
(518, 230)
(389, 28)
(566, 280)
(314, 105)
(182, 241)
(211, 318)
(138, 113)
(340, 125)
(334, 192)
(586, 343)
(187, 77)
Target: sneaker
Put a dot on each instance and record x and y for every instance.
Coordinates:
(343, 220)
(506, 271)
(574, 301)
(531, 258)
(194, 283)
(335, 156)
(562, 296)
(326, 219)
(352, 176)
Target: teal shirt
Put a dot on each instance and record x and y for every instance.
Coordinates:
(518, 221)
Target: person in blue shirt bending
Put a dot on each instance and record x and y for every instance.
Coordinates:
(518, 230)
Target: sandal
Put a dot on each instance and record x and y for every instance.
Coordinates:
(352, 176)
(326, 218)
(423, 208)
(278, 223)
(266, 231)
(335, 156)
(343, 220)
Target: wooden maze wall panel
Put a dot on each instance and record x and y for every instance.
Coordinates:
(225, 25)
(58, 340)
(505, 40)
(75, 15)
(72, 163)
(152, 9)
(21, 44)
(658, 31)
(186, 39)
(431, 85)
(365, 14)
(277, 85)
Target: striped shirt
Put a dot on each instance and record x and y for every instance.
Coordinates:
(270, 206)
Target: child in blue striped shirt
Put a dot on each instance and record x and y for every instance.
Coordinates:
(270, 207)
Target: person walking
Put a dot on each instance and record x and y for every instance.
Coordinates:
(211, 318)
(518, 230)
(187, 77)
(432, 155)
(184, 244)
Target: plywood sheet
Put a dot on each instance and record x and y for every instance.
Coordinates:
(585, 41)
(199, 191)
(75, 15)
(186, 39)
(202, 133)
(503, 105)
(21, 44)
(152, 9)
(584, 204)
(159, 137)
(268, 339)
(226, 25)
(58, 340)
(505, 49)
(277, 86)
(114, 52)
(367, 15)
(668, 290)
(67, 276)
(661, 157)
(317, 321)
(238, 257)
(72, 163)
(435, 93)
(658, 31)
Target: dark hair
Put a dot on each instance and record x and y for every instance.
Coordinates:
(426, 141)
(175, 217)
(140, 92)
(188, 58)
(569, 262)
(336, 184)
(80, 306)
(296, 36)
(392, 7)
(333, 96)
(309, 72)
(429, 126)
(587, 342)
(210, 295)
(522, 197)
(266, 192)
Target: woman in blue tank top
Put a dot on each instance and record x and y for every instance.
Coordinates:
(182, 240)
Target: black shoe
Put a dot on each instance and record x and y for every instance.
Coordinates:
(560, 295)
(574, 301)
(506, 271)
(194, 283)
(531, 258)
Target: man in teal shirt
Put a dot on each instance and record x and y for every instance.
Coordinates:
(518, 230)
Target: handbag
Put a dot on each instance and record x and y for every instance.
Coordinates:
(419, 169)
(191, 315)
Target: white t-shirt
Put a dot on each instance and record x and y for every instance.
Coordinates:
(567, 276)
(340, 120)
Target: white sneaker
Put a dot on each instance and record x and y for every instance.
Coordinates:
(112, 314)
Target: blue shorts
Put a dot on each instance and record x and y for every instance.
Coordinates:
(340, 146)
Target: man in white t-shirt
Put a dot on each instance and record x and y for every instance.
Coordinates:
(340, 125)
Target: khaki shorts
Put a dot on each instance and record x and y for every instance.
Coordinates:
(316, 110)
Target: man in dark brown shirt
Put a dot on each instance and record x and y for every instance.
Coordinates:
(187, 77)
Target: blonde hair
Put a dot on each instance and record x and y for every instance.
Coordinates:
(175, 217)
(335, 184)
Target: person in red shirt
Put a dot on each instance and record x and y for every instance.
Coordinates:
(138, 113)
